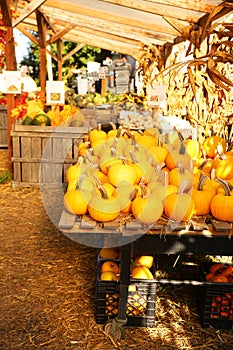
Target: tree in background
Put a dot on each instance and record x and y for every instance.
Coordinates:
(78, 60)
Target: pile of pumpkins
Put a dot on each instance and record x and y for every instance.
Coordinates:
(146, 175)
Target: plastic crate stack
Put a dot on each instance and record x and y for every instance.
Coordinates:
(141, 301)
(215, 301)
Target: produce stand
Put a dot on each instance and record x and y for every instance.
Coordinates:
(208, 237)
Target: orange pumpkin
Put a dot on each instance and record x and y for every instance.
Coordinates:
(180, 174)
(222, 203)
(202, 197)
(178, 156)
(211, 143)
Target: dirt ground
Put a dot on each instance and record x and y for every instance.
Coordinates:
(47, 291)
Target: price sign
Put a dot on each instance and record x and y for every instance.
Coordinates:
(157, 96)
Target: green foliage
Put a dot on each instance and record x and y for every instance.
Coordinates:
(76, 61)
(5, 177)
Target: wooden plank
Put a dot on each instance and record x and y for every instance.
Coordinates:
(221, 225)
(87, 223)
(67, 220)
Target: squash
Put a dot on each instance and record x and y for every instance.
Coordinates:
(222, 203)
(27, 120)
(179, 206)
(41, 120)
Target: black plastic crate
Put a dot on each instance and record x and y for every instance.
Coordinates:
(215, 303)
(141, 301)
(140, 305)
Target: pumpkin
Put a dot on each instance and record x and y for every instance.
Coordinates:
(103, 208)
(178, 156)
(193, 148)
(222, 203)
(121, 172)
(180, 174)
(179, 206)
(142, 167)
(125, 193)
(147, 208)
(97, 133)
(223, 167)
(158, 153)
(147, 140)
(211, 143)
(75, 170)
(76, 201)
(202, 197)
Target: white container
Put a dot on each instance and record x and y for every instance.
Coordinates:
(82, 86)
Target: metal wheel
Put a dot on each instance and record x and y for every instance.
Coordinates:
(114, 329)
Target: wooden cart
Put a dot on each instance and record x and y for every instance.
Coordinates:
(199, 238)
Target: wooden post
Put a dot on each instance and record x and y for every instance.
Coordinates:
(42, 28)
(59, 58)
(10, 65)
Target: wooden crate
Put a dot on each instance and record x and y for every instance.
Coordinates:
(3, 127)
(42, 154)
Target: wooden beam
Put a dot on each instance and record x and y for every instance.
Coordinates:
(6, 14)
(72, 52)
(106, 44)
(60, 34)
(134, 18)
(201, 6)
(30, 36)
(31, 7)
(161, 9)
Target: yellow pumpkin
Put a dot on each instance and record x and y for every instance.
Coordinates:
(119, 172)
(97, 133)
(103, 209)
(147, 208)
(179, 206)
(76, 201)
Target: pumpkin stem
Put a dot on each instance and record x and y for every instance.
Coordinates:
(182, 187)
(133, 194)
(99, 127)
(181, 168)
(101, 188)
(181, 137)
(201, 181)
(219, 152)
(225, 186)
(143, 189)
(133, 157)
(113, 125)
(203, 164)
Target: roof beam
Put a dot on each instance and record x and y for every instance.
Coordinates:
(142, 22)
(60, 34)
(31, 7)
(201, 6)
(159, 9)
